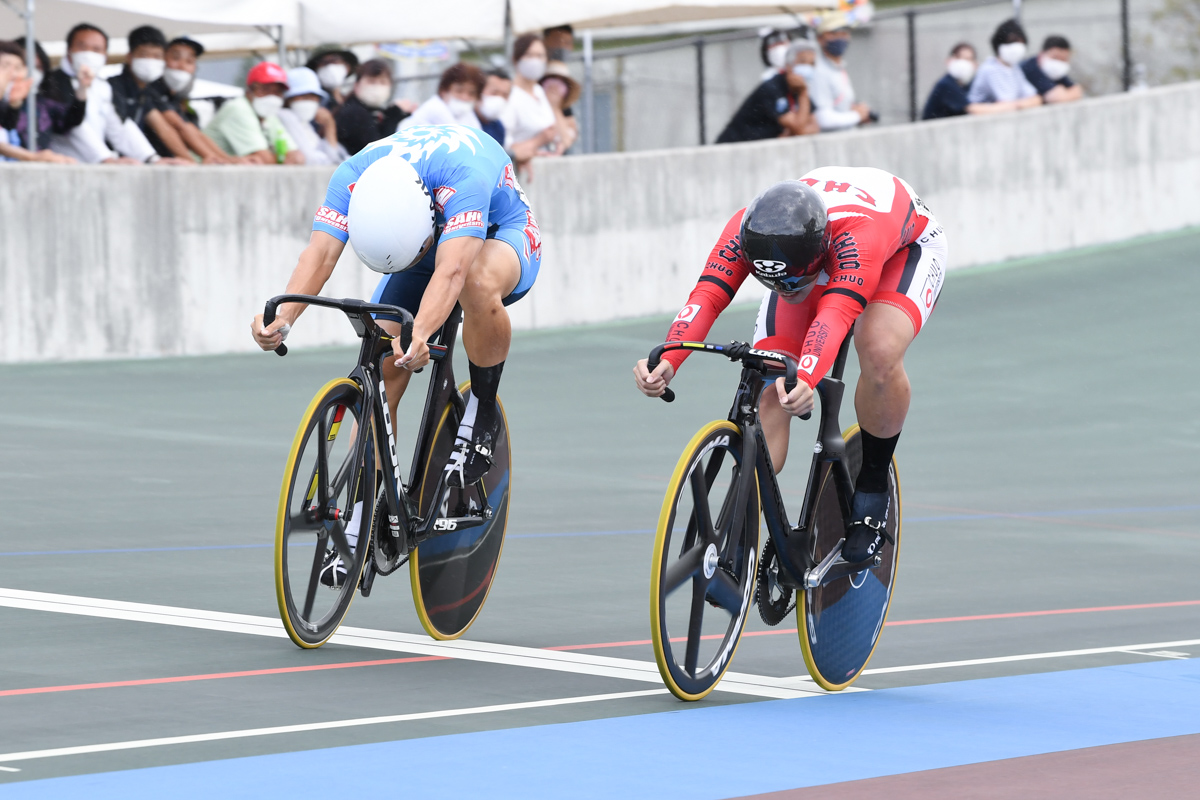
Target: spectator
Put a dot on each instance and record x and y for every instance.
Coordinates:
(333, 67)
(172, 91)
(58, 110)
(773, 48)
(308, 122)
(369, 114)
(133, 98)
(949, 95)
(832, 92)
(1000, 79)
(1048, 72)
(492, 103)
(102, 137)
(458, 92)
(780, 106)
(559, 41)
(562, 91)
(529, 121)
(14, 88)
(248, 127)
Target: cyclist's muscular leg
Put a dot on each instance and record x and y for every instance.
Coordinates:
(776, 427)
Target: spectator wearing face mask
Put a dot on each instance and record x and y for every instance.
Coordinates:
(1000, 79)
(529, 121)
(134, 99)
(103, 136)
(15, 86)
(459, 90)
(333, 67)
(1048, 72)
(308, 122)
(369, 114)
(780, 106)
(172, 91)
(248, 127)
(949, 95)
(562, 91)
(831, 89)
(58, 110)
(559, 41)
(492, 103)
(773, 49)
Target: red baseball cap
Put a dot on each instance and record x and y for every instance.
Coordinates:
(267, 72)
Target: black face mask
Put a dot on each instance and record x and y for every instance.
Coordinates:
(837, 47)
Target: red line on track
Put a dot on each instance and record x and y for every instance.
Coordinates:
(217, 676)
(1011, 615)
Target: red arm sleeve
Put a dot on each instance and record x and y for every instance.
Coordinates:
(723, 275)
(856, 258)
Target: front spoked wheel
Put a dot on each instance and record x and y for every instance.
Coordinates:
(840, 623)
(702, 581)
(326, 501)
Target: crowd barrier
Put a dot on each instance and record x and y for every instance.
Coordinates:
(113, 262)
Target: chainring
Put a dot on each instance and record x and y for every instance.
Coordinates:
(384, 551)
(775, 601)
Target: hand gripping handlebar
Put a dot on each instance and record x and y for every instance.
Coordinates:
(734, 351)
(358, 311)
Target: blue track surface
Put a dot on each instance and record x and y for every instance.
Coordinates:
(714, 752)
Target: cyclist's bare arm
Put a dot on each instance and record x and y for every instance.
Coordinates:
(312, 270)
(454, 259)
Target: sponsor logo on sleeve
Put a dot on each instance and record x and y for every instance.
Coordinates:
(533, 236)
(441, 196)
(807, 363)
(332, 218)
(687, 313)
(466, 219)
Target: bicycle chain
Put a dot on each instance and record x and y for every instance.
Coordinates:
(772, 612)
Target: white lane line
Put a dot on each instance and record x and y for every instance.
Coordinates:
(510, 655)
(136, 744)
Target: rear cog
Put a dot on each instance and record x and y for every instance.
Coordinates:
(775, 601)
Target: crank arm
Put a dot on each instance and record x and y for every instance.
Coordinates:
(833, 566)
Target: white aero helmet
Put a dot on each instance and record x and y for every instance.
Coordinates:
(391, 215)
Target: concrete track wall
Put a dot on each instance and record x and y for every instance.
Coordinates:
(102, 262)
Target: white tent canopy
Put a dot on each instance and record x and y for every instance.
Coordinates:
(591, 14)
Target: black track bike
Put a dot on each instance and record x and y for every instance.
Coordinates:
(706, 559)
(344, 458)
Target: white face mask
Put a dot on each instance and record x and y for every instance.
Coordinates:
(459, 108)
(961, 69)
(88, 58)
(806, 71)
(179, 81)
(373, 95)
(267, 106)
(1011, 53)
(1055, 70)
(37, 79)
(492, 106)
(777, 56)
(531, 69)
(332, 76)
(147, 70)
(305, 109)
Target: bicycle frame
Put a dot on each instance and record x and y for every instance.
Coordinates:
(405, 523)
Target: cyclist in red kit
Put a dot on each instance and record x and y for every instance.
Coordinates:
(841, 246)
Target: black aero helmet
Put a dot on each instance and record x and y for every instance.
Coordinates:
(783, 236)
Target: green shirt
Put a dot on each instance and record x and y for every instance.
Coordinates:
(238, 131)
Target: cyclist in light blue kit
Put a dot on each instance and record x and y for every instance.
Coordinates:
(437, 209)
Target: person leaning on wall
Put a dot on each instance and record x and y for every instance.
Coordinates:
(307, 121)
(15, 86)
(831, 89)
(1000, 78)
(949, 95)
(248, 127)
(1048, 70)
(369, 113)
(172, 90)
(333, 67)
(493, 101)
(781, 106)
(529, 119)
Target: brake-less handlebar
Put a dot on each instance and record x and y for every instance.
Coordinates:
(734, 351)
(357, 310)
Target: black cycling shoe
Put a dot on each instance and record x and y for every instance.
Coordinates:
(867, 530)
(470, 461)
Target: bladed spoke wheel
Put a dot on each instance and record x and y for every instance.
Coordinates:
(702, 580)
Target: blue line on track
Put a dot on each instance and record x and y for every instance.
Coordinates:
(704, 753)
(1083, 512)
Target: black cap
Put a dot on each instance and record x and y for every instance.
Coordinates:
(192, 43)
(783, 236)
(146, 34)
(332, 49)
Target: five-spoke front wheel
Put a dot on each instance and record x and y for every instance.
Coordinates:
(702, 583)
